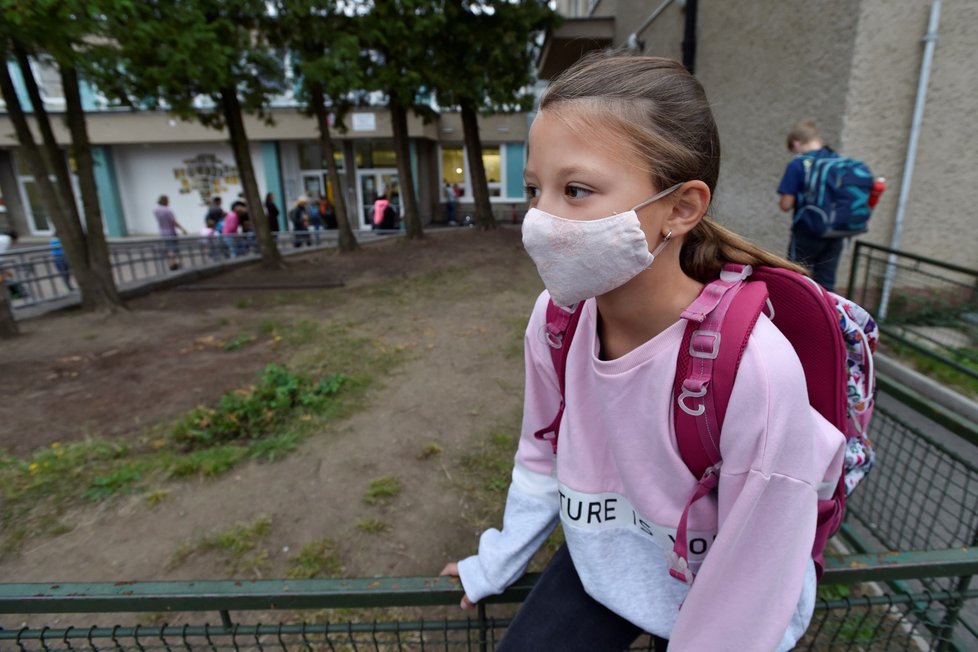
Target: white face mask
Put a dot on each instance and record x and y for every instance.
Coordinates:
(580, 259)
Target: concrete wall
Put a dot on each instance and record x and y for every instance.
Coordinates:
(765, 65)
(940, 216)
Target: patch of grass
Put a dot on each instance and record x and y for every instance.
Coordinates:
(244, 304)
(251, 412)
(934, 368)
(315, 559)
(486, 472)
(237, 547)
(208, 462)
(515, 328)
(238, 342)
(382, 490)
(372, 526)
(429, 450)
(263, 422)
(485, 478)
(120, 479)
(269, 326)
(275, 448)
(157, 497)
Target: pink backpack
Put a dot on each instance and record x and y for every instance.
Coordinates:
(833, 337)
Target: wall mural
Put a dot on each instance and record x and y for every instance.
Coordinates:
(206, 175)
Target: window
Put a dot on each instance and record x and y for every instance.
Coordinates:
(493, 166)
(453, 169)
(379, 154)
(311, 158)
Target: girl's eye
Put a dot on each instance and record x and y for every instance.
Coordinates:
(576, 192)
(532, 192)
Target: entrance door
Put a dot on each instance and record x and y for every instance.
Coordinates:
(370, 185)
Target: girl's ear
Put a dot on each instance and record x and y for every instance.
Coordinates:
(688, 207)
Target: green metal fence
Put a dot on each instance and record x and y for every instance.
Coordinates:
(926, 305)
(864, 620)
(921, 499)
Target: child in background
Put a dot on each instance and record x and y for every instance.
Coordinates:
(623, 162)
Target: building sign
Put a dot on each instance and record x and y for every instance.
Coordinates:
(207, 175)
(364, 122)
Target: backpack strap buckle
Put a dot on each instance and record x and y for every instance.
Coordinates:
(704, 344)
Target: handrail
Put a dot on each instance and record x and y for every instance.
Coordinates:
(244, 595)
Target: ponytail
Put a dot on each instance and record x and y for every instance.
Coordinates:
(709, 246)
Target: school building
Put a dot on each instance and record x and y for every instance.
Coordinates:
(142, 155)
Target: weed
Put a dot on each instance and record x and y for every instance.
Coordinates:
(238, 342)
(248, 413)
(269, 326)
(208, 462)
(937, 370)
(243, 304)
(372, 526)
(155, 498)
(315, 559)
(382, 490)
(237, 547)
(274, 448)
(122, 478)
(486, 472)
(429, 450)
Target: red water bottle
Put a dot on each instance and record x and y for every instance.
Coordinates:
(879, 185)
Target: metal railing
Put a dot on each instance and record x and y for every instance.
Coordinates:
(37, 274)
(865, 619)
(921, 303)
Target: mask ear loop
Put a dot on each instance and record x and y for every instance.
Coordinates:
(660, 247)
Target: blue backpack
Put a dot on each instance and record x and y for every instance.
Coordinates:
(835, 201)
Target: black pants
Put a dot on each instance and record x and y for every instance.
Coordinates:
(819, 255)
(559, 615)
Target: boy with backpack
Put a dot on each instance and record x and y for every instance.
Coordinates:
(831, 197)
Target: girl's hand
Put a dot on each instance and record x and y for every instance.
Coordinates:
(451, 569)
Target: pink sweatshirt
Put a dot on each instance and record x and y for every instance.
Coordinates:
(618, 487)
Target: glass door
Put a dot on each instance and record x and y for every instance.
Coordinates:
(371, 184)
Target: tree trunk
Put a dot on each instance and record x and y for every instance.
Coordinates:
(348, 241)
(8, 326)
(60, 203)
(412, 221)
(477, 169)
(107, 297)
(270, 256)
(29, 149)
(55, 157)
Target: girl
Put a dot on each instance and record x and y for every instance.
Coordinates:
(633, 138)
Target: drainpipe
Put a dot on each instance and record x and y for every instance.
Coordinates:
(930, 42)
(689, 37)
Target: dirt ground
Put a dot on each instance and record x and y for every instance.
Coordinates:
(74, 375)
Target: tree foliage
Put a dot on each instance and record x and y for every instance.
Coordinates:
(207, 60)
(325, 55)
(402, 36)
(484, 63)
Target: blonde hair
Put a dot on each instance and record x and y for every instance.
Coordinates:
(802, 132)
(661, 112)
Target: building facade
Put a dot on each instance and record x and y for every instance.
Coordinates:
(142, 155)
(853, 66)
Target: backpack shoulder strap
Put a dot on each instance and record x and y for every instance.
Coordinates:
(560, 328)
(719, 324)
